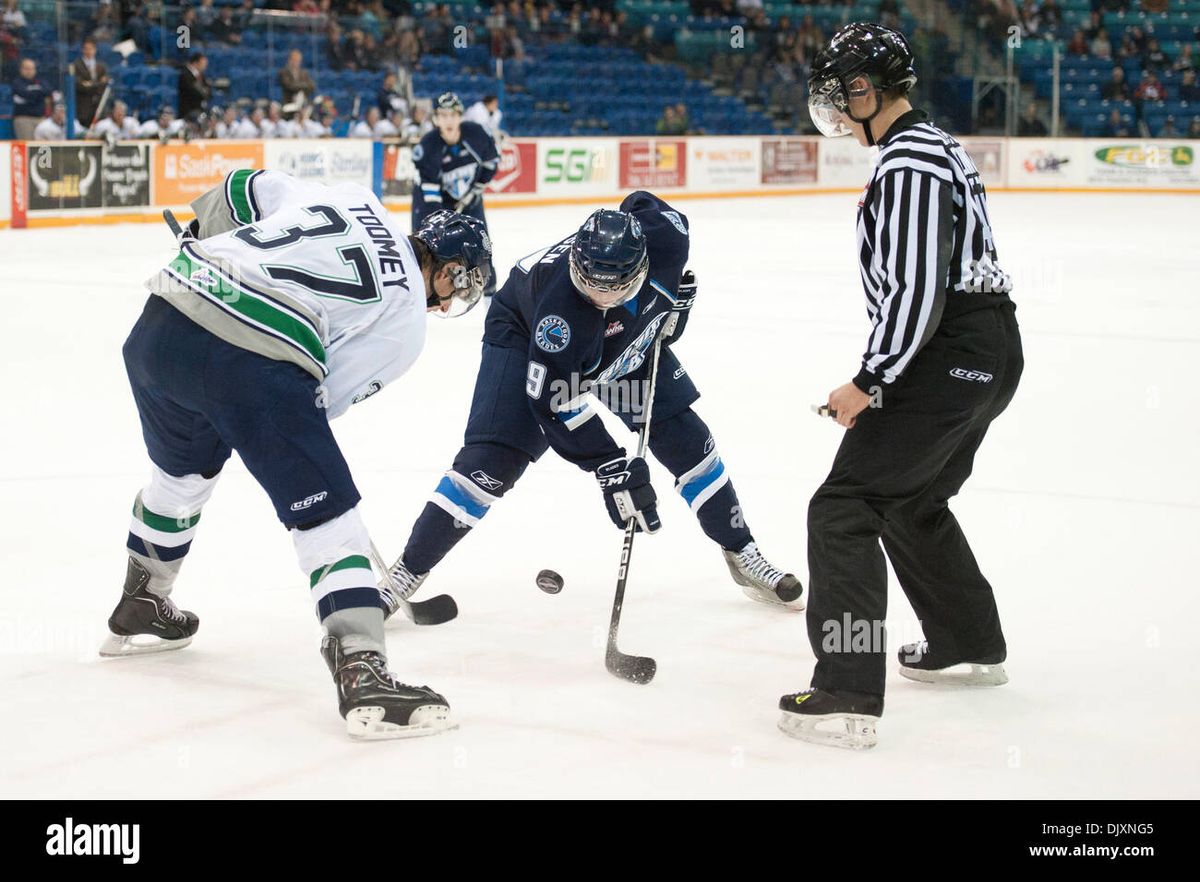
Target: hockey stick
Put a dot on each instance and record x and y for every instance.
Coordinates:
(823, 410)
(434, 611)
(634, 668)
(172, 223)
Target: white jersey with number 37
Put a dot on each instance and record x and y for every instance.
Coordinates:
(301, 272)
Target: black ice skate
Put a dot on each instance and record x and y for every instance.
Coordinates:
(375, 704)
(762, 582)
(839, 718)
(918, 662)
(144, 622)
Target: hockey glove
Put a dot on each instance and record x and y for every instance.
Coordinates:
(629, 494)
(468, 200)
(684, 299)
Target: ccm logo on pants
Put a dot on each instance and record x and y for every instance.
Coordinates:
(964, 374)
(312, 500)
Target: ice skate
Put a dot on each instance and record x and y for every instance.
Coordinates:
(762, 582)
(375, 704)
(919, 663)
(144, 622)
(398, 587)
(838, 719)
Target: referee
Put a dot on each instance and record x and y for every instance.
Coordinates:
(942, 361)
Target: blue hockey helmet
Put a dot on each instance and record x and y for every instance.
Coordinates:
(609, 263)
(462, 240)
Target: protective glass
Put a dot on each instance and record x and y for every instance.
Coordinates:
(468, 289)
(827, 106)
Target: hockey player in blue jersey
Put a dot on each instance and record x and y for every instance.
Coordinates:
(454, 162)
(577, 320)
(288, 302)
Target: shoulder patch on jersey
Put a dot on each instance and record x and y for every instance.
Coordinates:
(676, 221)
(417, 153)
(552, 334)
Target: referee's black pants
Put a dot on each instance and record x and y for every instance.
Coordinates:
(892, 480)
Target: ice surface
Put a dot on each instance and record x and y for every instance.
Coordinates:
(1083, 512)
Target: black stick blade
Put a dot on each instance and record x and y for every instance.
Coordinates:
(633, 668)
(434, 611)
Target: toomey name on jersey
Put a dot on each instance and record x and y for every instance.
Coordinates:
(306, 273)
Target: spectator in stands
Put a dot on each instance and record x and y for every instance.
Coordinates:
(354, 56)
(250, 126)
(1051, 17)
(294, 80)
(1154, 5)
(30, 97)
(137, 28)
(13, 21)
(102, 25)
(408, 49)
(1116, 125)
(206, 16)
(194, 90)
(1168, 129)
(1194, 128)
(1078, 44)
(226, 126)
(1184, 61)
(91, 78)
(1189, 90)
(1029, 126)
(421, 123)
(437, 27)
(1101, 46)
(1094, 27)
(1116, 89)
(810, 38)
(1031, 24)
(117, 126)
(225, 29)
(245, 15)
(487, 113)
(374, 127)
(53, 127)
(391, 98)
(1155, 58)
(670, 123)
(273, 124)
(1150, 88)
(335, 46)
(889, 14)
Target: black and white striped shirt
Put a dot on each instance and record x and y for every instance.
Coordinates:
(923, 235)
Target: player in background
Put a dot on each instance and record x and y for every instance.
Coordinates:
(579, 317)
(942, 362)
(454, 163)
(287, 303)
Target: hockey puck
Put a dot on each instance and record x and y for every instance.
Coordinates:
(550, 581)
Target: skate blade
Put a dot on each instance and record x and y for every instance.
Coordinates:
(771, 599)
(118, 646)
(849, 731)
(366, 723)
(966, 674)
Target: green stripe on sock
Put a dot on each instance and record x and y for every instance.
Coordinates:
(162, 522)
(353, 562)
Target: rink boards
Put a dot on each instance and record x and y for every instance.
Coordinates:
(80, 182)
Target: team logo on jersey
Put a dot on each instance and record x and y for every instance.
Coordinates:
(310, 501)
(974, 376)
(484, 480)
(676, 221)
(552, 334)
(613, 329)
(371, 390)
(417, 153)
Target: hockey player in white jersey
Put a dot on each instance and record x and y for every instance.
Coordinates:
(287, 303)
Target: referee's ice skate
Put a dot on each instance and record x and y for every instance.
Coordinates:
(918, 662)
(145, 622)
(375, 704)
(839, 718)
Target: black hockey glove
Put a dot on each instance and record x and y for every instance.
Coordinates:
(684, 299)
(629, 494)
(468, 200)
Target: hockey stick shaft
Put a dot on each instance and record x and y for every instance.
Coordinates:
(613, 655)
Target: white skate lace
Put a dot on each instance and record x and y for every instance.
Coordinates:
(757, 567)
(408, 583)
(169, 610)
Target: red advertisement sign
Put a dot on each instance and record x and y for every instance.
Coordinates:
(518, 168)
(653, 164)
(20, 192)
(789, 161)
